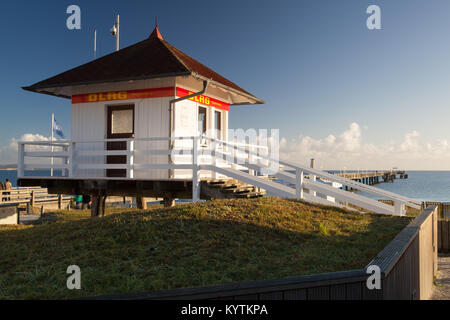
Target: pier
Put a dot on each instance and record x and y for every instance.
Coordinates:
(374, 177)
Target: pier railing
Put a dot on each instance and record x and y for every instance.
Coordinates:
(200, 158)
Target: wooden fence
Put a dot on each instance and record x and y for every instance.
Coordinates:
(33, 197)
(408, 265)
(444, 236)
(443, 208)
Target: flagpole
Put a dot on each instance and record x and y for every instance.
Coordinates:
(51, 139)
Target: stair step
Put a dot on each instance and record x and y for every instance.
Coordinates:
(216, 182)
(229, 186)
(250, 195)
(239, 190)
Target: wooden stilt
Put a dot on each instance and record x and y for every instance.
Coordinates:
(98, 206)
(169, 202)
(141, 203)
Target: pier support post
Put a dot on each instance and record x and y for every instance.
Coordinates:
(60, 201)
(141, 203)
(169, 202)
(98, 206)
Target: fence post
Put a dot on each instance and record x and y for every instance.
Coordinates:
(299, 183)
(130, 159)
(215, 161)
(60, 201)
(195, 177)
(71, 158)
(21, 160)
(234, 153)
(399, 208)
(33, 199)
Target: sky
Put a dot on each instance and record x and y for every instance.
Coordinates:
(348, 96)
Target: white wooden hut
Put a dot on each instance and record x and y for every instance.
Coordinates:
(128, 110)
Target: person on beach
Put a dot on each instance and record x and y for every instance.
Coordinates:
(78, 202)
(8, 186)
(2, 187)
(86, 202)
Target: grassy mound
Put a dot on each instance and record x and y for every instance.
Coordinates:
(209, 243)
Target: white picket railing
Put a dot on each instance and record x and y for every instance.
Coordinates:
(204, 158)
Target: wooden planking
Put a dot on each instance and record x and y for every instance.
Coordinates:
(319, 293)
(296, 294)
(88, 122)
(152, 120)
(427, 260)
(445, 236)
(354, 290)
(277, 295)
(338, 292)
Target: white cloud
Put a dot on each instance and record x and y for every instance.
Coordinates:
(345, 150)
(348, 150)
(8, 153)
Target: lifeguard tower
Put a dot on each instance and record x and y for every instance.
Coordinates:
(150, 121)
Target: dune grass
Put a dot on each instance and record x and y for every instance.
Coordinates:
(215, 242)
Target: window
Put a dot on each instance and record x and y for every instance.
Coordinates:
(122, 121)
(201, 120)
(218, 124)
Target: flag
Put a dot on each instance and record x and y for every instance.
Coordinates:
(57, 129)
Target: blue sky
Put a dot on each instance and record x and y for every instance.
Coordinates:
(314, 62)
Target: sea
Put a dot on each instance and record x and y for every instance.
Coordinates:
(420, 185)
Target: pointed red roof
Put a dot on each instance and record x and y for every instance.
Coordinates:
(151, 58)
(156, 33)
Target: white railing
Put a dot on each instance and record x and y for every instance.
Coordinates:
(202, 157)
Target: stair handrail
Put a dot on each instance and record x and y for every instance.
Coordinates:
(332, 177)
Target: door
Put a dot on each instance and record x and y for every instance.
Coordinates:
(120, 126)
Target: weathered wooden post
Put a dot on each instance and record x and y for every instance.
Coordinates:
(169, 202)
(32, 199)
(141, 203)
(60, 201)
(98, 206)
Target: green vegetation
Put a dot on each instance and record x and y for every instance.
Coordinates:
(215, 242)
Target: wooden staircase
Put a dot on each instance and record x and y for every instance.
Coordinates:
(229, 189)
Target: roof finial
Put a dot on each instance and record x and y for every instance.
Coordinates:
(156, 32)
